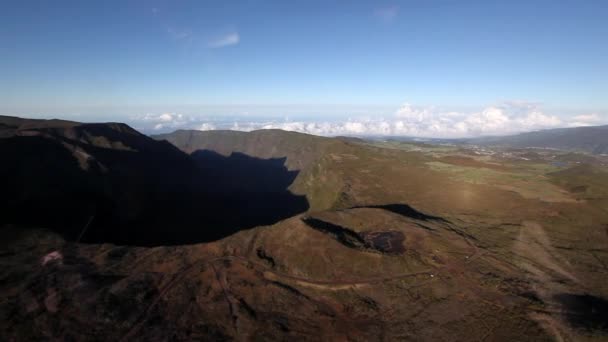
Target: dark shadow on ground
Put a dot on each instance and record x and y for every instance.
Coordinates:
(156, 195)
(585, 311)
(230, 194)
(344, 235)
(242, 173)
(404, 210)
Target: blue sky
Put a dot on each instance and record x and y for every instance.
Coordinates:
(280, 62)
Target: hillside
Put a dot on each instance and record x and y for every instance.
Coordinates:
(593, 139)
(299, 149)
(272, 235)
(312, 157)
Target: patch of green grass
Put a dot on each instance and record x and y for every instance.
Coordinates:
(529, 183)
(418, 147)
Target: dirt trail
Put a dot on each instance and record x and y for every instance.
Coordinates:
(533, 243)
(270, 274)
(549, 274)
(273, 275)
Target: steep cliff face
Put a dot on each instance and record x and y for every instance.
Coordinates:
(301, 150)
(134, 189)
(311, 156)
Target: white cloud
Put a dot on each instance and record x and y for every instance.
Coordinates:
(206, 126)
(586, 120)
(408, 112)
(166, 117)
(162, 121)
(538, 120)
(231, 38)
(407, 120)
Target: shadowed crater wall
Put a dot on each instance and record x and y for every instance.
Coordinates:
(230, 194)
(148, 196)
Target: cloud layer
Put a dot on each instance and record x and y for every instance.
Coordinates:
(407, 120)
(164, 121)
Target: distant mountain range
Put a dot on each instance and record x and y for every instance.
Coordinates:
(592, 139)
(589, 139)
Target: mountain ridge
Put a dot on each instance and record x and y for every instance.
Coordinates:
(590, 139)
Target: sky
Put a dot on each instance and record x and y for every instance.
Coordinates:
(429, 68)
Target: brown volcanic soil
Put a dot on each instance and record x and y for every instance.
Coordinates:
(390, 250)
(226, 289)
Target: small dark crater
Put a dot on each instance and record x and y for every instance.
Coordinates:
(386, 242)
(389, 242)
(585, 311)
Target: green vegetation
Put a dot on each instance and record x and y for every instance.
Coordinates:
(529, 182)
